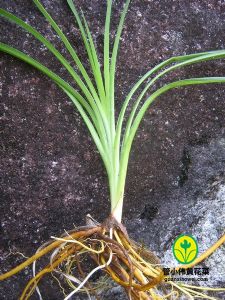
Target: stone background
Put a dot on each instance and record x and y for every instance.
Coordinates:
(51, 174)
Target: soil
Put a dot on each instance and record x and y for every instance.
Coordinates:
(51, 173)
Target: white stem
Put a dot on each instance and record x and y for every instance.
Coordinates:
(117, 211)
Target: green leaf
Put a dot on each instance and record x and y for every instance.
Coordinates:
(185, 245)
(69, 47)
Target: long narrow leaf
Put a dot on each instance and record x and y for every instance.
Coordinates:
(150, 73)
(58, 80)
(95, 105)
(70, 91)
(113, 63)
(118, 138)
(92, 60)
(51, 48)
(127, 145)
(22, 56)
(175, 59)
(209, 56)
(68, 46)
(162, 90)
(87, 46)
(93, 132)
(106, 53)
(96, 61)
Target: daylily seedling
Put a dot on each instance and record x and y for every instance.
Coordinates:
(107, 244)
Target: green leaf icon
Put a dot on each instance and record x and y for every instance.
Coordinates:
(185, 249)
(185, 245)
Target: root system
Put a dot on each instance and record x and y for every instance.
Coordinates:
(110, 249)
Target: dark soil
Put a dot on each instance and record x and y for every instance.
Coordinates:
(51, 174)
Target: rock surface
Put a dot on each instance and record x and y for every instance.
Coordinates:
(51, 175)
